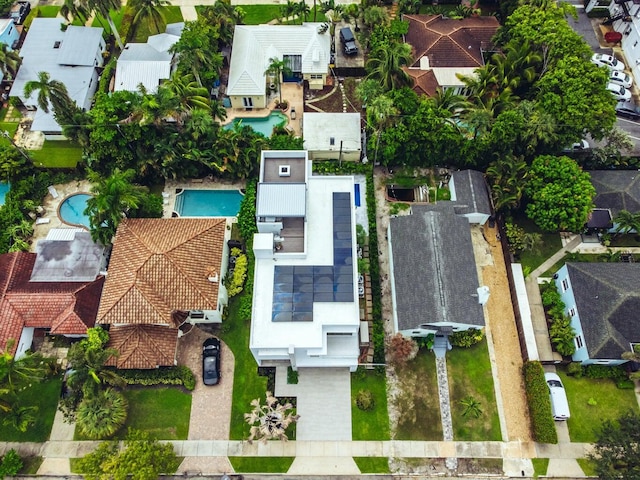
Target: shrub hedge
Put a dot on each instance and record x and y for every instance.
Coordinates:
(616, 373)
(161, 376)
(466, 338)
(542, 424)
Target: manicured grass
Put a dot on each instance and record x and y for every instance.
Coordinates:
(30, 465)
(45, 396)
(549, 245)
(540, 466)
(171, 14)
(259, 14)
(161, 412)
(470, 375)
(574, 257)
(261, 464)
(588, 467)
(100, 21)
(57, 154)
(247, 384)
(45, 11)
(372, 424)
(9, 127)
(418, 399)
(611, 402)
(372, 464)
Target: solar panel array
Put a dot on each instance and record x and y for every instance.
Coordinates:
(296, 288)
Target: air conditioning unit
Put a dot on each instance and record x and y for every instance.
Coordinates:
(284, 170)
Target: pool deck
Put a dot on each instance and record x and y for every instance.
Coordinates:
(292, 92)
(207, 183)
(51, 205)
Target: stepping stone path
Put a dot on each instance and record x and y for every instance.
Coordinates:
(445, 408)
(344, 98)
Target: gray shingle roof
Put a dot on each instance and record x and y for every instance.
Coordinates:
(608, 301)
(434, 268)
(471, 192)
(617, 190)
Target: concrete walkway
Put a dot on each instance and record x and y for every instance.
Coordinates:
(189, 13)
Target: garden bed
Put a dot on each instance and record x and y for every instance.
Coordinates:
(371, 424)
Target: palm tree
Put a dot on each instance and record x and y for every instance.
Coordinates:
(626, 222)
(288, 9)
(101, 415)
(450, 102)
(302, 10)
(51, 92)
(385, 65)
(9, 61)
(73, 9)
(149, 10)
(103, 8)
(15, 373)
(196, 56)
(20, 417)
(508, 178)
(277, 68)
(112, 198)
(271, 420)
(471, 407)
(22, 230)
(189, 93)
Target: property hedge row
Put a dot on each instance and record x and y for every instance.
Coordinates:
(161, 376)
(542, 424)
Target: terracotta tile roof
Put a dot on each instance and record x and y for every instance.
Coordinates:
(143, 346)
(447, 42)
(66, 308)
(424, 81)
(159, 265)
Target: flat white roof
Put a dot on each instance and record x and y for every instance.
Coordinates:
(269, 335)
(281, 200)
(331, 131)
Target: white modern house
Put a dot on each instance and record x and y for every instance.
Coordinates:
(305, 309)
(71, 56)
(332, 136)
(627, 22)
(305, 48)
(148, 64)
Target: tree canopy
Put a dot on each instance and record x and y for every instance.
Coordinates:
(616, 453)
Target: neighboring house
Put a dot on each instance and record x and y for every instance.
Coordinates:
(603, 302)
(444, 47)
(147, 64)
(305, 311)
(628, 24)
(163, 272)
(55, 290)
(470, 193)
(9, 35)
(332, 136)
(72, 57)
(615, 191)
(305, 48)
(433, 273)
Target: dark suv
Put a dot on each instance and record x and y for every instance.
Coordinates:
(348, 41)
(19, 12)
(628, 110)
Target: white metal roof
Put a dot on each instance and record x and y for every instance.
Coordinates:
(79, 46)
(162, 42)
(447, 76)
(281, 200)
(140, 63)
(255, 45)
(320, 128)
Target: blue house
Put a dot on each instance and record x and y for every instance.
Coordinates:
(9, 35)
(603, 301)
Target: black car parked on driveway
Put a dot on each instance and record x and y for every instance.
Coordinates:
(628, 110)
(211, 361)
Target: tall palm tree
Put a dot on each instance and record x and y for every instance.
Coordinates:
(15, 373)
(626, 222)
(101, 415)
(103, 8)
(112, 198)
(508, 178)
(52, 92)
(74, 9)
(288, 9)
(196, 56)
(302, 10)
(450, 102)
(385, 65)
(149, 10)
(188, 92)
(271, 420)
(9, 61)
(278, 68)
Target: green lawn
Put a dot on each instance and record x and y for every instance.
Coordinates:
(588, 467)
(550, 244)
(611, 402)
(574, 257)
(30, 465)
(171, 14)
(100, 21)
(418, 399)
(470, 374)
(9, 127)
(261, 464)
(259, 14)
(57, 154)
(540, 466)
(161, 412)
(247, 384)
(372, 464)
(45, 396)
(372, 424)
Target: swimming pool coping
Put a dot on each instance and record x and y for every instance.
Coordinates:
(78, 225)
(176, 214)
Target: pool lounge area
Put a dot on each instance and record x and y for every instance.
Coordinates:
(207, 203)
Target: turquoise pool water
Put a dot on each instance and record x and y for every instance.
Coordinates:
(208, 203)
(72, 209)
(262, 125)
(4, 189)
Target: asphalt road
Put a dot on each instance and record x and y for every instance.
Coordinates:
(633, 130)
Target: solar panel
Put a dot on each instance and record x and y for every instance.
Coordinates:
(296, 288)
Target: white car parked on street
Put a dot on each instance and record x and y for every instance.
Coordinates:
(559, 403)
(619, 92)
(621, 78)
(603, 60)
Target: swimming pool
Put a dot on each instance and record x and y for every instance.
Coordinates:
(208, 203)
(263, 125)
(4, 189)
(71, 210)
